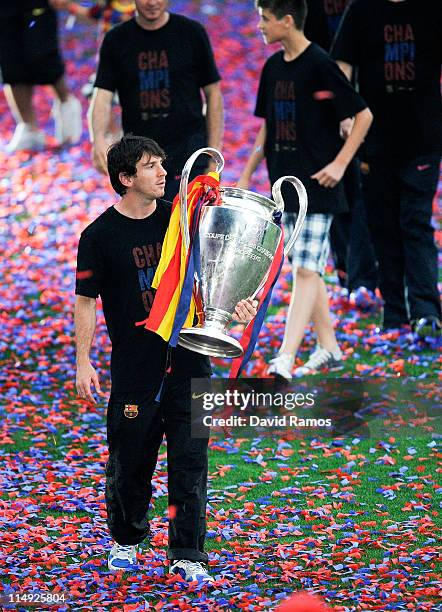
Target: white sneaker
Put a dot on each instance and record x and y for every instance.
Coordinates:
(67, 119)
(26, 137)
(281, 366)
(320, 359)
(191, 570)
(122, 558)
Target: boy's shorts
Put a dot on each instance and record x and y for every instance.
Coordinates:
(312, 247)
(29, 52)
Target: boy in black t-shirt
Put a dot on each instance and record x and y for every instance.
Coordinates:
(303, 97)
(117, 257)
(396, 45)
(160, 64)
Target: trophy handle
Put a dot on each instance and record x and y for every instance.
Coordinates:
(184, 222)
(302, 195)
(277, 197)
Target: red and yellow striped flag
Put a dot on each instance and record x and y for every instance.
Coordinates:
(172, 267)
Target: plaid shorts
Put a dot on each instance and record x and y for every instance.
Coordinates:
(312, 246)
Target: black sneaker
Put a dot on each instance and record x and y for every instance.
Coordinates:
(427, 327)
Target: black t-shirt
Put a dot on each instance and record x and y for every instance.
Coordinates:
(397, 49)
(323, 19)
(303, 102)
(158, 75)
(117, 259)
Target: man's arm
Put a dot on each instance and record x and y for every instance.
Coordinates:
(85, 321)
(99, 115)
(214, 115)
(331, 174)
(255, 158)
(347, 69)
(346, 124)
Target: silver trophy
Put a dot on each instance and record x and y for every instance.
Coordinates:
(238, 240)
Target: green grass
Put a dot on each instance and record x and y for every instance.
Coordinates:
(325, 464)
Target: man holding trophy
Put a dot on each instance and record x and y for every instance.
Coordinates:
(117, 258)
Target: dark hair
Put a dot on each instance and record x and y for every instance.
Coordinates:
(124, 155)
(296, 8)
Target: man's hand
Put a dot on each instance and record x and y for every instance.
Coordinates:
(330, 175)
(86, 375)
(245, 310)
(345, 127)
(99, 155)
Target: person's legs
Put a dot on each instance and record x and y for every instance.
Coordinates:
(27, 135)
(309, 257)
(18, 84)
(61, 89)
(322, 321)
(46, 67)
(361, 263)
(339, 244)
(40, 47)
(134, 433)
(309, 300)
(17, 88)
(187, 475)
(327, 353)
(418, 180)
(302, 304)
(19, 99)
(381, 195)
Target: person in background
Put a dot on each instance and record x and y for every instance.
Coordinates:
(30, 56)
(350, 240)
(299, 136)
(396, 48)
(161, 65)
(107, 14)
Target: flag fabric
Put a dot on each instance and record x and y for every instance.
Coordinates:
(251, 333)
(177, 303)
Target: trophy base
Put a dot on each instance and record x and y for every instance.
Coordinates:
(210, 341)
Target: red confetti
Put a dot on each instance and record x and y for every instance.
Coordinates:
(303, 602)
(323, 95)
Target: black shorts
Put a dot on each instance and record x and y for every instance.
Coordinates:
(29, 52)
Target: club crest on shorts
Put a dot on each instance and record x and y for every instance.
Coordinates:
(130, 411)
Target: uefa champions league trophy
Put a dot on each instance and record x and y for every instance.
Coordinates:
(238, 240)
